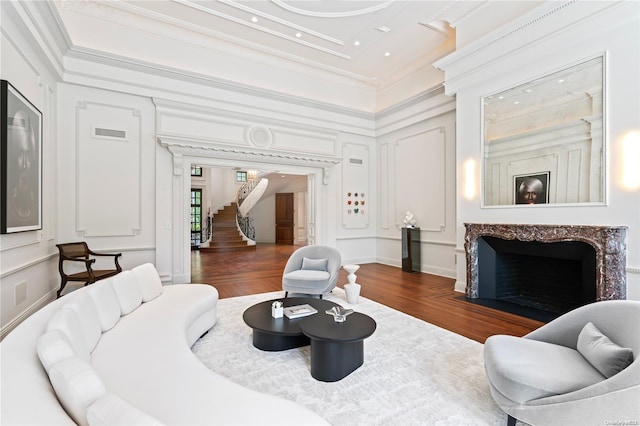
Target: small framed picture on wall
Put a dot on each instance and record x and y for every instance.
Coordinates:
(20, 162)
(531, 188)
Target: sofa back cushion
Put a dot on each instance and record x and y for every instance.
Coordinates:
(53, 346)
(67, 321)
(87, 313)
(77, 386)
(128, 292)
(106, 302)
(148, 280)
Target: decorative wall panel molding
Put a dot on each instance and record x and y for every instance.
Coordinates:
(110, 207)
(383, 183)
(420, 174)
(354, 200)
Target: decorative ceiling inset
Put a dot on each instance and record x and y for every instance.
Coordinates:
(375, 42)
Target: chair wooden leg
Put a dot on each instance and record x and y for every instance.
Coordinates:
(286, 294)
(59, 292)
(511, 421)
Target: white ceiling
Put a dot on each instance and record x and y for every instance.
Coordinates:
(349, 38)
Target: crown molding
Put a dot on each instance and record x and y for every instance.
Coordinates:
(103, 58)
(533, 27)
(45, 28)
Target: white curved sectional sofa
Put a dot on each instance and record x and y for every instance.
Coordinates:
(119, 352)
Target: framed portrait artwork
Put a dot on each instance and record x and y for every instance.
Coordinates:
(532, 188)
(20, 162)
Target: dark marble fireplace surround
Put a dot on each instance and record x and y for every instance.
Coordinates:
(542, 271)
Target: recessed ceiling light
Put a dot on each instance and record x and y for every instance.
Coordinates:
(528, 90)
(384, 29)
(283, 176)
(500, 97)
(298, 35)
(254, 19)
(561, 81)
(516, 102)
(387, 53)
(356, 43)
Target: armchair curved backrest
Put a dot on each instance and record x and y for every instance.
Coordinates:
(80, 254)
(612, 398)
(295, 279)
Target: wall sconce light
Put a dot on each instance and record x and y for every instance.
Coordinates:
(469, 179)
(631, 160)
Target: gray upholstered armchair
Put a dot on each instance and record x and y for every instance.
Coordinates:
(311, 270)
(564, 373)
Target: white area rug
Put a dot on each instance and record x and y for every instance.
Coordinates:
(413, 372)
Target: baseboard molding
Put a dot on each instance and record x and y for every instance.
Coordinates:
(43, 301)
(460, 287)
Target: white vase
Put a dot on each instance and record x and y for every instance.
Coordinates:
(353, 292)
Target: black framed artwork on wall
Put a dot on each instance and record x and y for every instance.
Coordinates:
(531, 188)
(20, 162)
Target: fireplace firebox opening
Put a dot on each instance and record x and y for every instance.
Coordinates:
(539, 280)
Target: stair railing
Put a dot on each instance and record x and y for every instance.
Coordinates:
(245, 223)
(245, 190)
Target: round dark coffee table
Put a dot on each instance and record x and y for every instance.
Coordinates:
(279, 334)
(337, 348)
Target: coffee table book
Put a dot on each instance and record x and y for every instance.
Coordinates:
(299, 311)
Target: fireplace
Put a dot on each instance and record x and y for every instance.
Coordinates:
(543, 271)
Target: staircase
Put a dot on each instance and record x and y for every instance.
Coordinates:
(224, 232)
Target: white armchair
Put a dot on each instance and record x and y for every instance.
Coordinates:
(557, 376)
(311, 270)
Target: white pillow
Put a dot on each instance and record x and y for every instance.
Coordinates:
(77, 386)
(112, 410)
(67, 321)
(53, 346)
(607, 357)
(106, 302)
(148, 280)
(83, 305)
(314, 264)
(128, 292)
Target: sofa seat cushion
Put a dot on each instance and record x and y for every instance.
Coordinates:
(306, 278)
(525, 369)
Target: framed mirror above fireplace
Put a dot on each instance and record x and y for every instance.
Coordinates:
(553, 126)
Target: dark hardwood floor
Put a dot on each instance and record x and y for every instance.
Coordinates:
(428, 297)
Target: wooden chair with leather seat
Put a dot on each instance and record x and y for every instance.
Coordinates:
(80, 253)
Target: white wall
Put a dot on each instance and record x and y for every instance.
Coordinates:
(416, 172)
(28, 270)
(549, 38)
(109, 196)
